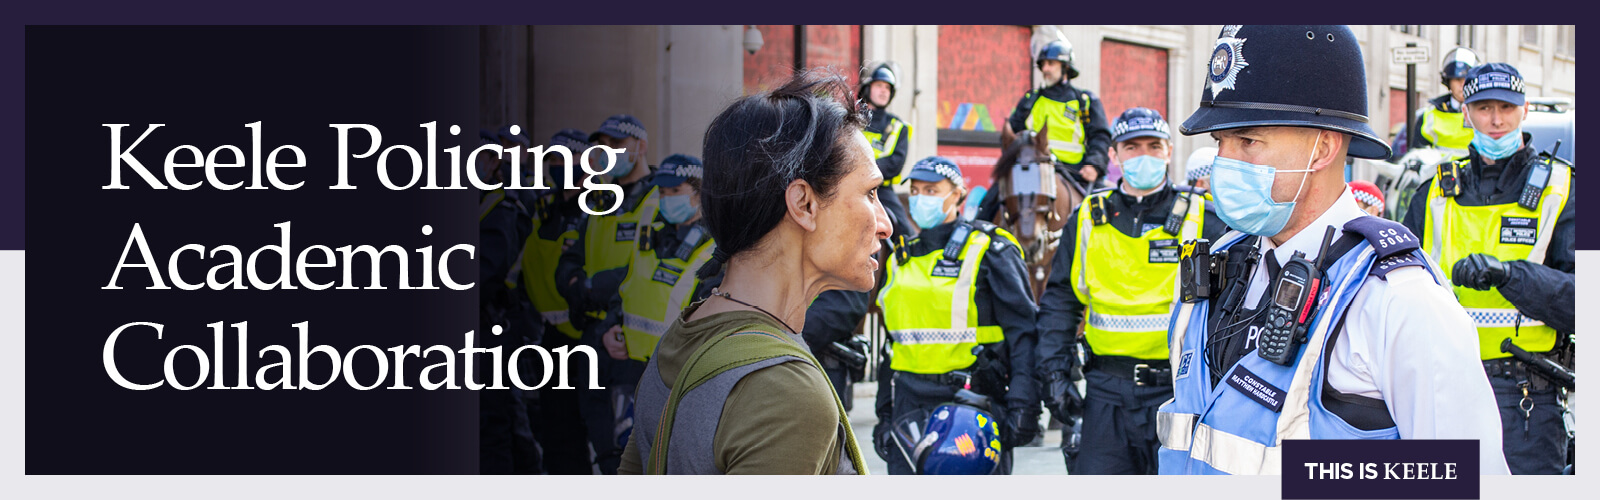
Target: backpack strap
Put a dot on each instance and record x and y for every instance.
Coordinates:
(739, 347)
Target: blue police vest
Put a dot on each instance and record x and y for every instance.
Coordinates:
(1230, 429)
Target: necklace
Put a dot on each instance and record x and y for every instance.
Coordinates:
(725, 295)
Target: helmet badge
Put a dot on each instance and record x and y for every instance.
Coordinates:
(1226, 61)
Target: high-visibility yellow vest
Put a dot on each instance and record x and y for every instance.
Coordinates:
(883, 144)
(1066, 125)
(657, 288)
(1128, 282)
(539, 259)
(1447, 131)
(929, 306)
(1506, 232)
(609, 240)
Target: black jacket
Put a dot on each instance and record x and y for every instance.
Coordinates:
(1059, 308)
(1542, 292)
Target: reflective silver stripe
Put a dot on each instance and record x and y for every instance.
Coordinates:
(1129, 324)
(687, 282)
(555, 317)
(643, 324)
(1070, 147)
(1234, 454)
(1175, 430)
(977, 243)
(935, 336)
(1436, 207)
(1549, 211)
(1500, 318)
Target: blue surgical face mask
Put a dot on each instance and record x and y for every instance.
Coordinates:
(1497, 149)
(1243, 193)
(928, 210)
(1144, 171)
(619, 167)
(677, 209)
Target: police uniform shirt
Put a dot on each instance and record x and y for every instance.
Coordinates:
(1405, 341)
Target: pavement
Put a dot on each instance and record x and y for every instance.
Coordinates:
(1042, 459)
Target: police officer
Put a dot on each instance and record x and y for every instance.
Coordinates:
(1503, 222)
(957, 305)
(1442, 125)
(506, 438)
(556, 218)
(1077, 123)
(661, 278)
(1319, 321)
(591, 270)
(890, 137)
(1119, 258)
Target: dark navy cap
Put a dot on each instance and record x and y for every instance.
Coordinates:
(1288, 76)
(935, 169)
(519, 137)
(572, 139)
(1139, 122)
(621, 127)
(677, 169)
(1498, 81)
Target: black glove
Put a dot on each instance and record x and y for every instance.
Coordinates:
(1479, 272)
(1023, 426)
(883, 439)
(1065, 403)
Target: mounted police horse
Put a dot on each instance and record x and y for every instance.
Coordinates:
(1035, 200)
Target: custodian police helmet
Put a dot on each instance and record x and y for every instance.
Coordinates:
(1292, 76)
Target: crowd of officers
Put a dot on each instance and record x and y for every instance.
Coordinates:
(1095, 349)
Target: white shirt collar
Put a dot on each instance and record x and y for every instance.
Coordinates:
(1309, 240)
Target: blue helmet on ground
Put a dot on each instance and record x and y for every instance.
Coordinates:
(957, 438)
(1057, 50)
(1139, 122)
(1288, 76)
(1457, 63)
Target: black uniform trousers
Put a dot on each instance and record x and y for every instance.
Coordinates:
(1534, 442)
(1119, 425)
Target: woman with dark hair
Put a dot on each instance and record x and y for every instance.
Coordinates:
(790, 196)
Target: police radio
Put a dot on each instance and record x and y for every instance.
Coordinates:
(1180, 208)
(1537, 180)
(1450, 179)
(958, 239)
(690, 241)
(1195, 270)
(1293, 306)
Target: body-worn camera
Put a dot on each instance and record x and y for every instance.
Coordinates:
(1196, 271)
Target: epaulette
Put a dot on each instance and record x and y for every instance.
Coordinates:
(1392, 243)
